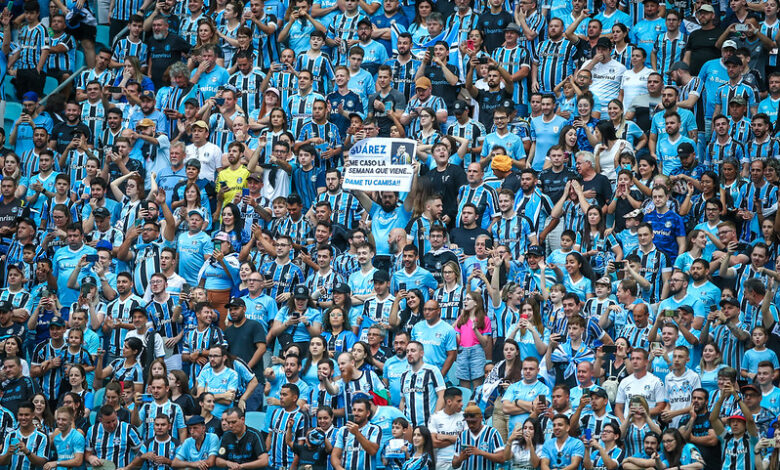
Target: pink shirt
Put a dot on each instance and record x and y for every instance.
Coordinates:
(467, 336)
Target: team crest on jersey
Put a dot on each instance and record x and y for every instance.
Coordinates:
(350, 103)
(668, 225)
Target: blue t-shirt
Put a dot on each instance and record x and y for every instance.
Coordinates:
(437, 341)
(394, 367)
(563, 457)
(68, 446)
(753, 357)
(209, 82)
(545, 134)
(382, 222)
(192, 251)
(216, 383)
(526, 392)
(188, 451)
(64, 262)
(299, 332)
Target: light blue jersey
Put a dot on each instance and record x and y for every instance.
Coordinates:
(437, 341)
(526, 392)
(545, 134)
(189, 452)
(192, 251)
(69, 446)
(395, 367)
(221, 382)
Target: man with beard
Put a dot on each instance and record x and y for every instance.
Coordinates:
(422, 387)
(555, 57)
(438, 256)
(679, 296)
(387, 214)
(395, 366)
(761, 145)
(420, 226)
(489, 100)
(437, 336)
(445, 179)
(62, 134)
(358, 442)
(598, 415)
(669, 100)
(480, 446)
(404, 66)
(465, 235)
(696, 429)
(412, 276)
(31, 157)
(464, 19)
(702, 289)
(770, 104)
(376, 53)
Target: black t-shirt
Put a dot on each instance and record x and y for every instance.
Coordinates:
(434, 262)
(602, 186)
(466, 237)
(493, 27)
(512, 182)
(247, 449)
(701, 427)
(15, 329)
(63, 134)
(447, 92)
(188, 405)
(314, 456)
(701, 44)
(16, 392)
(489, 101)
(553, 184)
(393, 101)
(241, 342)
(164, 53)
(10, 211)
(446, 183)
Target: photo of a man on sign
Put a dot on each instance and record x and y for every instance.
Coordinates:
(380, 164)
(400, 156)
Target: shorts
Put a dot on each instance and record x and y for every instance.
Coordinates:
(471, 363)
(84, 31)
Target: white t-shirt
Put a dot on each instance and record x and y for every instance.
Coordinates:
(210, 157)
(649, 387)
(521, 456)
(634, 84)
(448, 425)
(679, 390)
(607, 79)
(159, 346)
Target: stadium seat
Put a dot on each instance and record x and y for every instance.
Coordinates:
(10, 90)
(255, 420)
(51, 84)
(97, 398)
(103, 36)
(80, 60)
(12, 112)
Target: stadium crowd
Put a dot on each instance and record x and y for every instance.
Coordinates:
(583, 275)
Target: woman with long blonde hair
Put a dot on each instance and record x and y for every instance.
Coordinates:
(474, 340)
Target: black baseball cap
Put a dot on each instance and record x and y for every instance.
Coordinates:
(342, 288)
(685, 149)
(301, 292)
